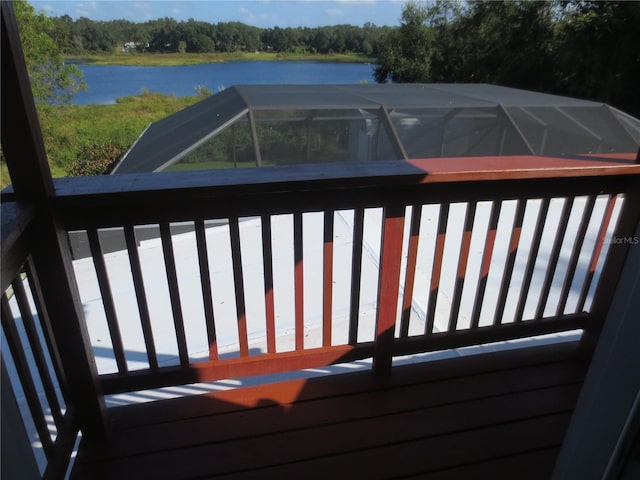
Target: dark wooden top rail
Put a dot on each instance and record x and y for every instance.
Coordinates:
(359, 174)
(106, 201)
(15, 220)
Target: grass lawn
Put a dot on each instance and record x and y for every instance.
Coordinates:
(176, 59)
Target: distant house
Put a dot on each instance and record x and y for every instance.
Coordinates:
(131, 46)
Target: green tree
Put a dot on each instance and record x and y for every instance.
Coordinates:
(597, 52)
(501, 42)
(404, 51)
(506, 43)
(96, 36)
(52, 80)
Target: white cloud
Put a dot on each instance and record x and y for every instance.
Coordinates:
(333, 12)
(86, 9)
(143, 10)
(47, 9)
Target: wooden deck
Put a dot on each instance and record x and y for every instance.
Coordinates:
(495, 415)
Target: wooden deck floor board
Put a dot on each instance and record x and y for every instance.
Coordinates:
(517, 466)
(369, 404)
(482, 414)
(423, 455)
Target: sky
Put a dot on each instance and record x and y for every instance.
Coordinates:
(260, 13)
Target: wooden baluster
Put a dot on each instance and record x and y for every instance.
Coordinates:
(487, 255)
(174, 292)
(18, 458)
(597, 251)
(107, 300)
(575, 254)
(410, 275)
(25, 376)
(238, 282)
(37, 351)
(437, 268)
(141, 296)
(205, 284)
(553, 259)
(298, 280)
(469, 217)
(267, 260)
(356, 274)
(45, 325)
(511, 259)
(531, 260)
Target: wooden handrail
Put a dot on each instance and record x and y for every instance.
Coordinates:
(15, 218)
(352, 175)
(107, 201)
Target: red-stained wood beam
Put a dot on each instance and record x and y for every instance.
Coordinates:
(458, 169)
(327, 278)
(389, 286)
(210, 371)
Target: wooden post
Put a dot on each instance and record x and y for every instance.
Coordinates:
(22, 142)
(388, 287)
(605, 422)
(27, 162)
(611, 271)
(57, 286)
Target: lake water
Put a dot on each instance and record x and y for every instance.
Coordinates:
(106, 83)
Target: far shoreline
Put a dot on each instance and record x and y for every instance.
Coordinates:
(183, 59)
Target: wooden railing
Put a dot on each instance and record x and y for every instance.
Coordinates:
(30, 355)
(515, 212)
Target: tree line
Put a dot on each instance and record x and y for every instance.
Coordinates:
(585, 49)
(582, 48)
(163, 35)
